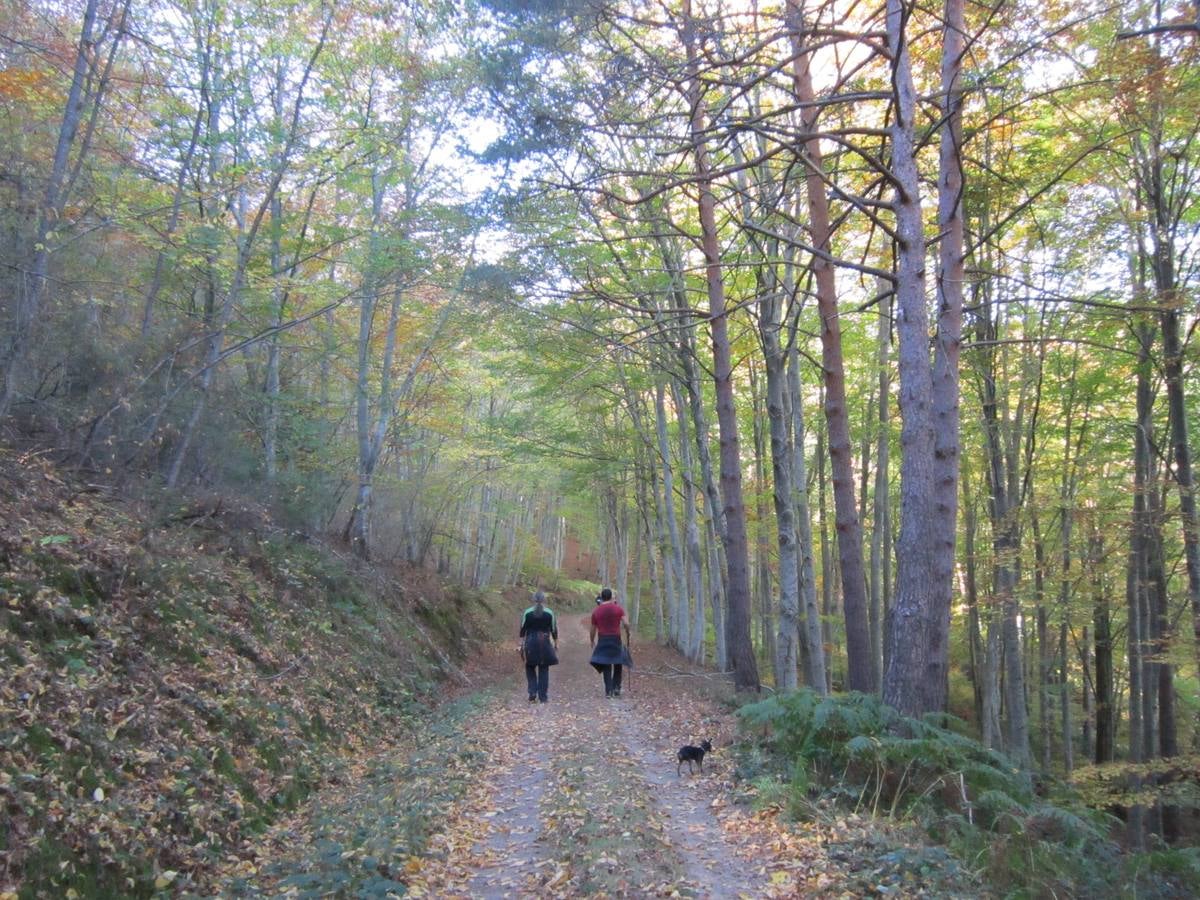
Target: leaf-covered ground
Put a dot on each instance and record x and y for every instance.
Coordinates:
(173, 680)
(578, 797)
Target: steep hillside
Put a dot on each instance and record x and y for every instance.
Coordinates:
(173, 680)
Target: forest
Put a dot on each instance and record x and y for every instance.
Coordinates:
(852, 342)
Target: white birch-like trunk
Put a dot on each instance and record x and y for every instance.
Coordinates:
(816, 672)
(678, 585)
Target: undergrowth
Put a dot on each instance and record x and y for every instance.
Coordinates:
(812, 755)
(377, 820)
(175, 680)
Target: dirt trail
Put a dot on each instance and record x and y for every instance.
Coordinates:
(579, 797)
(605, 772)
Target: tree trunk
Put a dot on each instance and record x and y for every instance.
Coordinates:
(812, 642)
(271, 387)
(881, 509)
(1065, 700)
(676, 583)
(1101, 621)
(27, 303)
(916, 677)
(215, 343)
(788, 636)
(695, 560)
(1045, 653)
(741, 649)
(951, 276)
(974, 625)
(766, 612)
(1173, 369)
(827, 572)
(860, 669)
(1089, 693)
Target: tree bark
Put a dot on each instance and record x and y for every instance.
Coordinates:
(813, 647)
(741, 649)
(881, 507)
(694, 603)
(762, 552)
(782, 493)
(676, 582)
(916, 677)
(860, 669)
(1106, 728)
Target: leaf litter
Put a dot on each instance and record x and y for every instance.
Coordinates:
(580, 798)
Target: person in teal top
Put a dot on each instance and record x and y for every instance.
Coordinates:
(539, 645)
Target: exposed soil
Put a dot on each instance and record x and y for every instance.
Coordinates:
(579, 797)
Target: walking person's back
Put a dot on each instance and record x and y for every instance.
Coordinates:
(609, 655)
(539, 643)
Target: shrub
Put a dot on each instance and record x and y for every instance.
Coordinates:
(804, 751)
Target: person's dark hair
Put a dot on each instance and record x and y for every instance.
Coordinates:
(606, 594)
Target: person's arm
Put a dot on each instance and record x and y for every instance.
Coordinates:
(625, 625)
(592, 633)
(524, 619)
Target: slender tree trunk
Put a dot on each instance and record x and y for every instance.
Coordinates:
(676, 582)
(762, 554)
(28, 301)
(1181, 453)
(788, 636)
(1066, 499)
(741, 649)
(1045, 653)
(1089, 694)
(693, 555)
(271, 424)
(662, 597)
(951, 277)
(1106, 729)
(971, 578)
(1137, 577)
(812, 641)
(881, 507)
(827, 571)
(1064, 695)
(861, 672)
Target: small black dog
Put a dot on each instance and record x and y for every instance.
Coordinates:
(690, 754)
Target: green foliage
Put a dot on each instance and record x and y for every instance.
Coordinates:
(804, 751)
(1174, 782)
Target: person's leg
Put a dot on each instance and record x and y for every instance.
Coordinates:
(543, 683)
(606, 671)
(531, 681)
(616, 680)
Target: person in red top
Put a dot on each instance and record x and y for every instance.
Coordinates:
(608, 653)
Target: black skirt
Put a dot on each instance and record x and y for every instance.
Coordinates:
(609, 651)
(539, 649)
